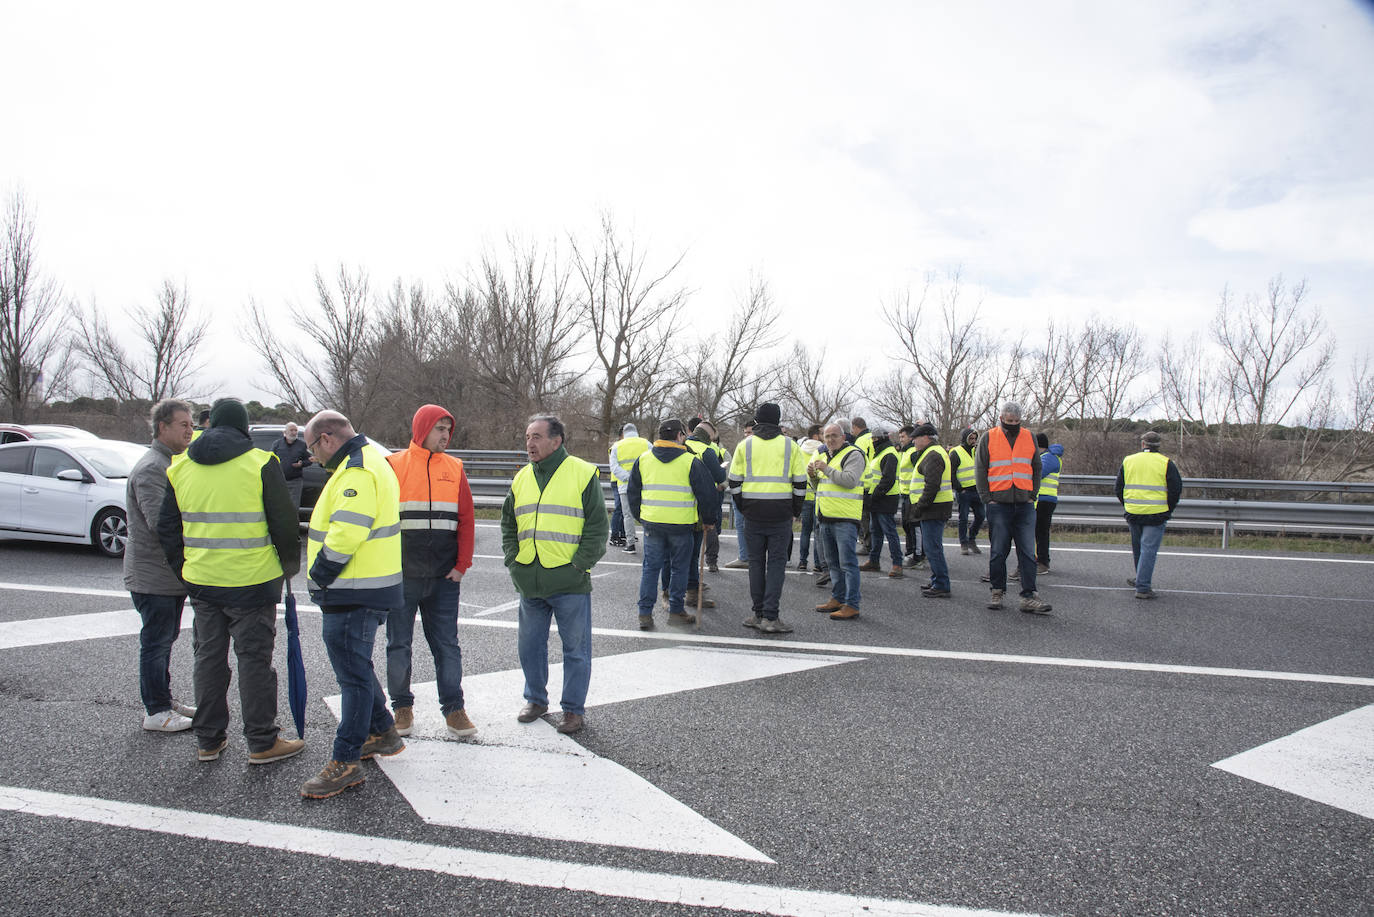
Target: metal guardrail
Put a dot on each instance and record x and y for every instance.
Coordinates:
(1357, 518)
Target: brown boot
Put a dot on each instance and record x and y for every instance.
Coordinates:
(844, 613)
(832, 605)
(871, 567)
(895, 573)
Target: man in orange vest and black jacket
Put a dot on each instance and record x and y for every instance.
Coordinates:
(1007, 472)
(436, 550)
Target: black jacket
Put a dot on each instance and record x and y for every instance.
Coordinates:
(216, 446)
(290, 453)
(886, 493)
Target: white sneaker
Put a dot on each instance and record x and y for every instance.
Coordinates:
(166, 721)
(183, 709)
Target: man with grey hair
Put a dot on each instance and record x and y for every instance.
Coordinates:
(291, 451)
(1148, 486)
(158, 593)
(1008, 476)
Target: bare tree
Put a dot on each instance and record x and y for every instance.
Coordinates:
(167, 358)
(1116, 361)
(814, 391)
(895, 399)
(1049, 376)
(33, 316)
(723, 374)
(633, 314)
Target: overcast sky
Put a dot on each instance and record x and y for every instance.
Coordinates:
(1128, 158)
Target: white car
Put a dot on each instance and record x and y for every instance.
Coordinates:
(67, 490)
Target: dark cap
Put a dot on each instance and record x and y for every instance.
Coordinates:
(670, 429)
(925, 429)
(768, 412)
(1151, 440)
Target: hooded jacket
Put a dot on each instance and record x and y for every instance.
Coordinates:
(885, 494)
(217, 446)
(1050, 463)
(437, 527)
(954, 459)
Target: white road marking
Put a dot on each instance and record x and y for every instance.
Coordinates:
(67, 628)
(537, 783)
(1331, 762)
(65, 590)
(1246, 595)
(664, 888)
(1265, 557)
(497, 609)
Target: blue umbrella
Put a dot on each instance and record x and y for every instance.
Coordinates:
(295, 664)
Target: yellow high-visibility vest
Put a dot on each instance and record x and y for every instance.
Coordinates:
(549, 522)
(966, 475)
(666, 490)
(1146, 483)
(223, 522)
(357, 522)
(768, 469)
(873, 473)
(835, 502)
(946, 492)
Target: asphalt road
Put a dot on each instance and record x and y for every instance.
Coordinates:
(929, 754)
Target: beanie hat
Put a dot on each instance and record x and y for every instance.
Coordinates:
(1042, 440)
(768, 412)
(229, 412)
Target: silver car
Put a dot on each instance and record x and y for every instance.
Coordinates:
(67, 490)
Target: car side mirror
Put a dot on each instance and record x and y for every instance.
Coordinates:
(71, 474)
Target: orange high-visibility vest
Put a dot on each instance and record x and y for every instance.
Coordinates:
(1009, 464)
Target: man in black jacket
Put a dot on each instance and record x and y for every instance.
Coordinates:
(290, 450)
(882, 504)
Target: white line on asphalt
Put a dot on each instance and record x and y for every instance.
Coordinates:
(68, 628)
(467, 863)
(1248, 595)
(497, 609)
(67, 590)
(917, 653)
(1270, 557)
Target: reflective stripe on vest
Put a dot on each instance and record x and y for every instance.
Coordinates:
(1049, 483)
(874, 471)
(341, 518)
(666, 490)
(1009, 464)
(864, 443)
(549, 522)
(965, 474)
(223, 523)
(768, 468)
(906, 470)
(835, 502)
(946, 492)
(1145, 489)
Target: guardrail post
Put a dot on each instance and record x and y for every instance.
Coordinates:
(1226, 534)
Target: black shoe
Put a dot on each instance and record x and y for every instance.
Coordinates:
(935, 593)
(712, 567)
(823, 579)
(802, 566)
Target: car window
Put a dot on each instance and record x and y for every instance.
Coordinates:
(49, 463)
(111, 458)
(15, 461)
(12, 436)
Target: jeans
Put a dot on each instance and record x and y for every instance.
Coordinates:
(1008, 522)
(969, 501)
(617, 518)
(669, 553)
(573, 612)
(768, 543)
(887, 531)
(693, 563)
(841, 539)
(933, 539)
(1044, 512)
(741, 536)
(348, 639)
(436, 597)
(810, 527)
(712, 540)
(1145, 540)
(627, 516)
(254, 635)
(161, 616)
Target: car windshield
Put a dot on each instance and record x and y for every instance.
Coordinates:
(111, 458)
(42, 432)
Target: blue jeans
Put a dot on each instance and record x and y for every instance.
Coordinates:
(1008, 522)
(161, 616)
(436, 597)
(348, 638)
(969, 502)
(741, 538)
(664, 552)
(887, 531)
(573, 611)
(841, 541)
(693, 564)
(1145, 540)
(933, 540)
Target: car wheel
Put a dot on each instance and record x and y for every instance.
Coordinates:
(110, 533)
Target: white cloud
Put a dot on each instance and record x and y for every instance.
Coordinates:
(1314, 225)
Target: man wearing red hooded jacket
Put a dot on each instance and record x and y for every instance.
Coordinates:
(436, 550)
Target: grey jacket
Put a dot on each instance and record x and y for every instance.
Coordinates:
(145, 566)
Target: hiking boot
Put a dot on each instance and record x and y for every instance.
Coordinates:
(336, 777)
(832, 605)
(935, 593)
(166, 721)
(737, 565)
(823, 579)
(691, 599)
(280, 751)
(712, 566)
(646, 622)
(1147, 594)
(802, 566)
(531, 712)
(965, 549)
(1034, 605)
(405, 720)
(773, 626)
(895, 573)
(1042, 569)
(184, 709)
(995, 598)
(752, 622)
(387, 744)
(572, 722)
(844, 613)
(869, 567)
(681, 618)
(211, 754)
(973, 546)
(459, 724)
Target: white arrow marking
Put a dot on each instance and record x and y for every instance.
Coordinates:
(514, 778)
(1331, 762)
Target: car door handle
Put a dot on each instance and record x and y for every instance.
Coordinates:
(31, 490)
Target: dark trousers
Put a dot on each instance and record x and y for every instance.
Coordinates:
(1008, 523)
(768, 543)
(348, 638)
(970, 503)
(254, 635)
(161, 616)
(617, 521)
(1044, 512)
